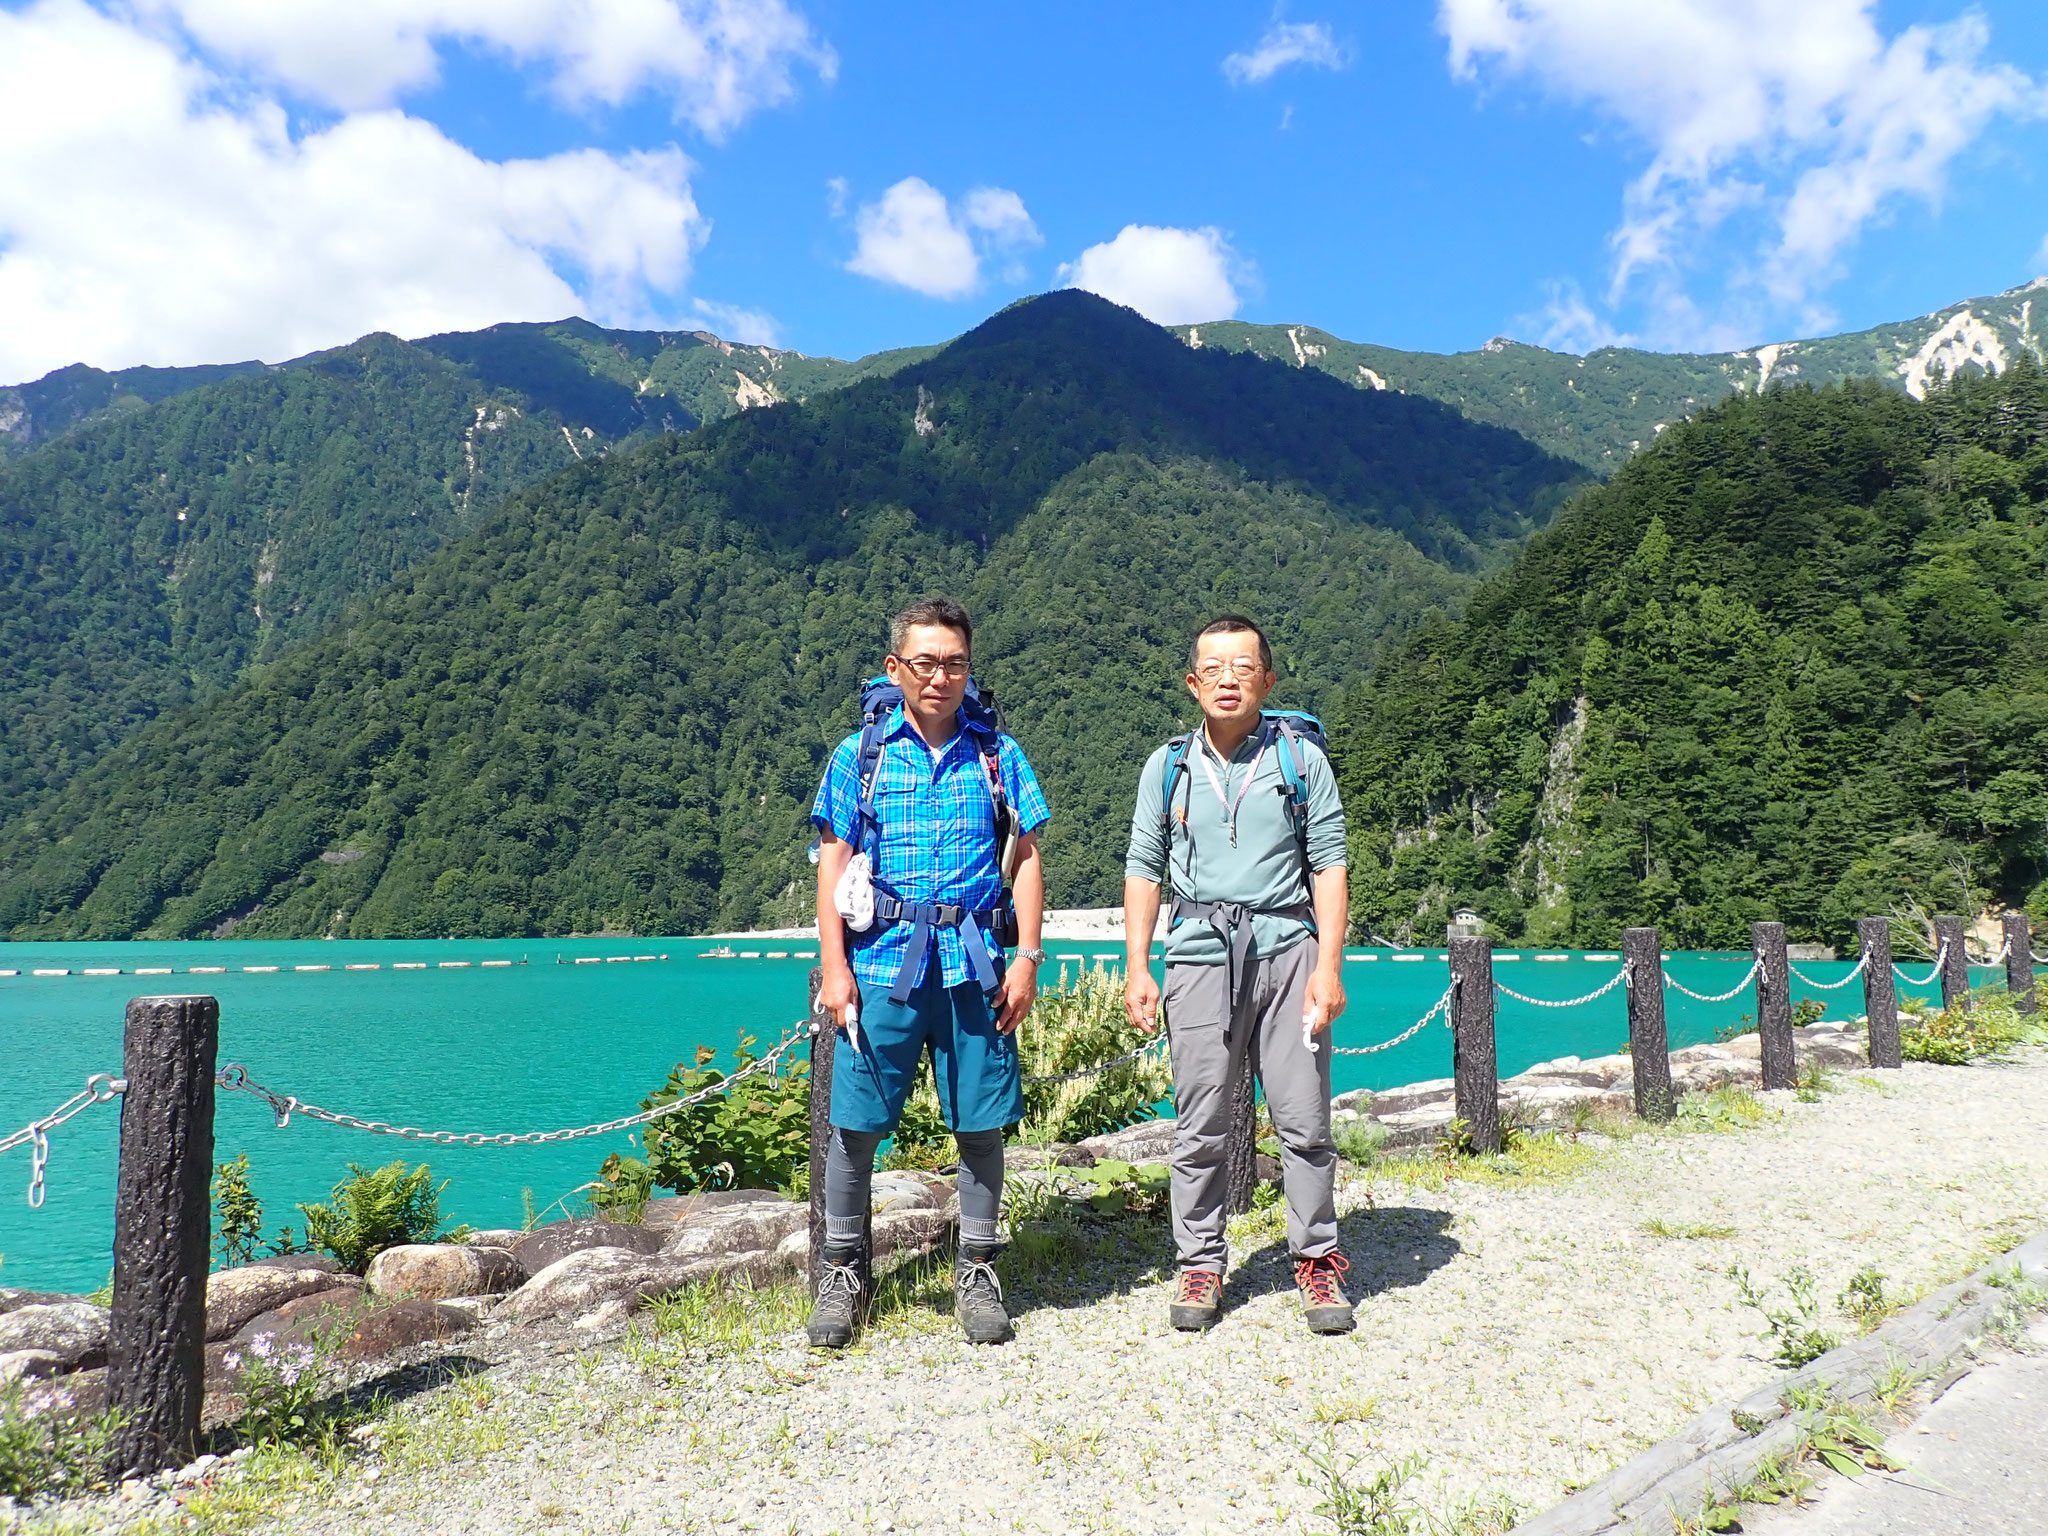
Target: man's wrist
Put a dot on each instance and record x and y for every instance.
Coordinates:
(1031, 953)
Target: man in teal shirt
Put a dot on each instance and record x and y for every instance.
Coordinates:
(1254, 953)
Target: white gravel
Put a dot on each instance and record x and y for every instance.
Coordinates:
(1520, 1341)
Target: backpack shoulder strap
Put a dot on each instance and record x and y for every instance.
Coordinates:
(1174, 768)
(867, 764)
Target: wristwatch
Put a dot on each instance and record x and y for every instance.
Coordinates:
(1035, 956)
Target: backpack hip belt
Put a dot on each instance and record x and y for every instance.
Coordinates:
(1232, 922)
(999, 923)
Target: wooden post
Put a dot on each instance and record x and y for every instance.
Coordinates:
(1880, 993)
(824, 1038)
(1474, 1066)
(1955, 963)
(1649, 1045)
(1241, 1152)
(163, 1228)
(2019, 961)
(1774, 1005)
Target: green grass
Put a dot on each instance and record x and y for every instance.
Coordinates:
(1695, 1231)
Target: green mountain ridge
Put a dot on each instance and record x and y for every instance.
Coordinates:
(606, 702)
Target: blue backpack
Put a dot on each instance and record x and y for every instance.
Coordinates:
(1289, 728)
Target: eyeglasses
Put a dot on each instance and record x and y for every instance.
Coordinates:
(925, 668)
(1243, 668)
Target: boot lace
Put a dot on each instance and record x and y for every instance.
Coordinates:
(1321, 1279)
(1199, 1287)
(974, 1273)
(842, 1279)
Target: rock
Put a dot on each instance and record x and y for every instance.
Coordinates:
(317, 1263)
(233, 1296)
(29, 1365)
(494, 1237)
(912, 1231)
(436, 1271)
(908, 1189)
(794, 1251)
(475, 1308)
(74, 1331)
(1145, 1142)
(14, 1301)
(401, 1325)
(586, 1280)
(307, 1319)
(737, 1229)
(1054, 1154)
(668, 1211)
(558, 1239)
(83, 1392)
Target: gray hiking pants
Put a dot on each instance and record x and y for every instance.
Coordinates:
(1297, 1084)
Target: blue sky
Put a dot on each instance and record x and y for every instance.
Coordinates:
(840, 178)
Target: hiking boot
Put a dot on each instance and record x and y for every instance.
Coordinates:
(978, 1300)
(832, 1314)
(1321, 1283)
(1197, 1301)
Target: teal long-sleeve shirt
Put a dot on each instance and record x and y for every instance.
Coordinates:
(1263, 869)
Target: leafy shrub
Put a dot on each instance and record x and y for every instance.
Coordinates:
(1120, 1187)
(753, 1137)
(1794, 1328)
(281, 1389)
(375, 1209)
(1990, 1026)
(1359, 1141)
(1731, 1107)
(1864, 1298)
(621, 1190)
(1078, 1023)
(46, 1447)
(1808, 1011)
(237, 1213)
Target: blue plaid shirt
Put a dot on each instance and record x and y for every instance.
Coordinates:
(938, 838)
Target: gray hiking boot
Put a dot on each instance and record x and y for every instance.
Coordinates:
(978, 1300)
(1323, 1303)
(832, 1314)
(1197, 1300)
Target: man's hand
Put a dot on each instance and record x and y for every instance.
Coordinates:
(1325, 996)
(839, 994)
(1141, 999)
(1020, 991)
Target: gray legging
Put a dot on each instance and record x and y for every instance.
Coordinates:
(849, 1172)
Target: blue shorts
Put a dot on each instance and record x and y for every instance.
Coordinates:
(981, 1086)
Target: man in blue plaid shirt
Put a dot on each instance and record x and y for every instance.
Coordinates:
(929, 973)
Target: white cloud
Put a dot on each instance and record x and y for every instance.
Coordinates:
(1172, 276)
(180, 220)
(1784, 126)
(718, 59)
(1285, 43)
(749, 327)
(912, 237)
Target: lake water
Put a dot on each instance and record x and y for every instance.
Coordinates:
(426, 1039)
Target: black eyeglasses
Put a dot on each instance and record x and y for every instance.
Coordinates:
(925, 668)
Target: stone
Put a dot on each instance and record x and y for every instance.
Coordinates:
(912, 1231)
(233, 1296)
(590, 1278)
(82, 1392)
(794, 1251)
(494, 1237)
(908, 1189)
(737, 1229)
(1145, 1142)
(307, 1319)
(401, 1325)
(558, 1239)
(666, 1211)
(14, 1301)
(29, 1365)
(317, 1263)
(74, 1331)
(437, 1271)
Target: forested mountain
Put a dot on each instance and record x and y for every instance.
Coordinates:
(1603, 407)
(1790, 663)
(606, 705)
(33, 413)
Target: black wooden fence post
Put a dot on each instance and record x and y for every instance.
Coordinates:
(2019, 961)
(1241, 1152)
(1474, 1067)
(163, 1228)
(1649, 1045)
(1880, 993)
(823, 1038)
(1774, 1004)
(1955, 961)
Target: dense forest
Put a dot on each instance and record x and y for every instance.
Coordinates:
(1791, 663)
(606, 704)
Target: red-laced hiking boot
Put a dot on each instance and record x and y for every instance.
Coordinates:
(1321, 1283)
(1198, 1302)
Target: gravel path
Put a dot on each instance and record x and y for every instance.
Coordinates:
(1517, 1338)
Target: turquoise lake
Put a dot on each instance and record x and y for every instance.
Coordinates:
(439, 1038)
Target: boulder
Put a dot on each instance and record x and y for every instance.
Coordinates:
(666, 1211)
(74, 1331)
(737, 1229)
(437, 1271)
(401, 1325)
(494, 1237)
(794, 1251)
(14, 1301)
(558, 1239)
(1145, 1142)
(590, 1278)
(81, 1392)
(29, 1365)
(306, 1319)
(912, 1231)
(905, 1189)
(233, 1296)
(317, 1263)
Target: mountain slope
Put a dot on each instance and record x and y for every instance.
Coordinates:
(1601, 408)
(32, 414)
(606, 706)
(1790, 663)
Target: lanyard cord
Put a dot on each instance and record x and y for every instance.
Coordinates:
(1230, 807)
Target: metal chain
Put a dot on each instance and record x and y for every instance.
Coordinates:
(1568, 1002)
(1862, 961)
(1940, 959)
(2004, 951)
(1442, 1005)
(1043, 1079)
(235, 1078)
(1720, 997)
(100, 1088)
